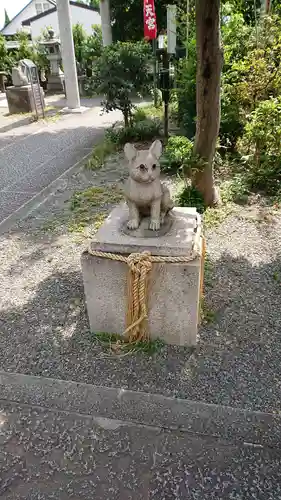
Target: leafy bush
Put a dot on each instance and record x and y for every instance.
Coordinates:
(6, 60)
(190, 197)
(177, 153)
(144, 130)
(87, 48)
(252, 72)
(144, 112)
(234, 190)
(120, 73)
(261, 146)
(186, 91)
(79, 40)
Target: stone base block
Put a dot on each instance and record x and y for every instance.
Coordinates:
(174, 288)
(20, 99)
(55, 83)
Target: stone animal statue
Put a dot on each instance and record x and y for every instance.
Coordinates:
(145, 194)
(18, 76)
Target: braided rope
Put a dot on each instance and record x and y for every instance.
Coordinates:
(140, 265)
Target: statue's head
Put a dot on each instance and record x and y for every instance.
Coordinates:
(144, 164)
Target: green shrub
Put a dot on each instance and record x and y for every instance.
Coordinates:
(186, 92)
(234, 190)
(144, 112)
(177, 153)
(145, 130)
(189, 196)
(260, 146)
(120, 73)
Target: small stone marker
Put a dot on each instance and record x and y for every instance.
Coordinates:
(172, 242)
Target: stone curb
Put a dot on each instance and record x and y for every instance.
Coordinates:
(223, 422)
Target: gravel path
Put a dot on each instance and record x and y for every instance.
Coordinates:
(44, 328)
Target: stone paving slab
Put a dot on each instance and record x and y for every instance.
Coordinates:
(143, 408)
(48, 454)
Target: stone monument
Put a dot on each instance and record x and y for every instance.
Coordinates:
(143, 272)
(20, 96)
(52, 46)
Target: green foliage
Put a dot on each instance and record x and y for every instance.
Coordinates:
(100, 153)
(25, 51)
(92, 49)
(143, 112)
(177, 154)
(234, 190)
(252, 72)
(261, 146)
(87, 48)
(7, 19)
(186, 91)
(145, 130)
(189, 196)
(79, 39)
(120, 73)
(6, 60)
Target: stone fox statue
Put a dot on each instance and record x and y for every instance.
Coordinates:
(145, 194)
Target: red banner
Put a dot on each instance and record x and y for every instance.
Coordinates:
(149, 17)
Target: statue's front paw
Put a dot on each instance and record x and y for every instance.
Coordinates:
(133, 224)
(154, 225)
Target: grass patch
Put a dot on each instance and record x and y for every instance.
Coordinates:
(83, 206)
(116, 344)
(213, 217)
(81, 201)
(207, 271)
(100, 153)
(207, 315)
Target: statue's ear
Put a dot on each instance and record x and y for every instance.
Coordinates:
(156, 149)
(130, 151)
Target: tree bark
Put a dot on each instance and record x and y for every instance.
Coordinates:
(208, 79)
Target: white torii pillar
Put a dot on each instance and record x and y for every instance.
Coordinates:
(68, 56)
(105, 22)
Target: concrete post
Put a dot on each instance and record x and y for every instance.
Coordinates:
(68, 55)
(105, 22)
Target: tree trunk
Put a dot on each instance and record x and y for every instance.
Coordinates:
(209, 65)
(105, 22)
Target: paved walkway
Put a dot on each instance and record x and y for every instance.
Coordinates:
(33, 156)
(60, 440)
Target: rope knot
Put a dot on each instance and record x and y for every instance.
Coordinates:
(139, 261)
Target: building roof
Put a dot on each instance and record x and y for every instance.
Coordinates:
(11, 20)
(27, 22)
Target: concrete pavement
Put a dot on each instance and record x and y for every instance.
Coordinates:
(33, 156)
(61, 440)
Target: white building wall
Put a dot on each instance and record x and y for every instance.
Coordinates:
(86, 17)
(15, 25)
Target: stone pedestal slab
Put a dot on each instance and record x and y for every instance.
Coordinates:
(174, 288)
(21, 100)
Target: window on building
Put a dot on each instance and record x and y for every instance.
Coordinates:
(38, 7)
(42, 7)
